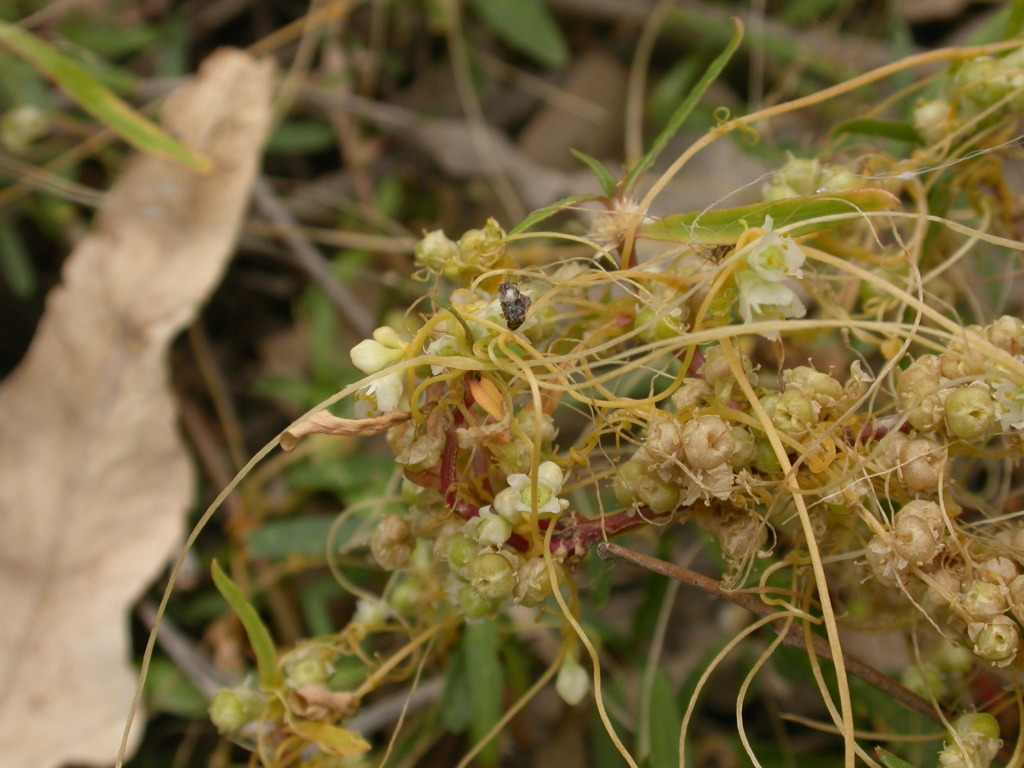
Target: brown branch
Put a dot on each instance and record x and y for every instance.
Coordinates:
(793, 636)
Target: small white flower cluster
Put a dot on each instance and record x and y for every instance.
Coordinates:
(763, 293)
(372, 356)
(486, 572)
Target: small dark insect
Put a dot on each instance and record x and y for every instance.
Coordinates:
(513, 304)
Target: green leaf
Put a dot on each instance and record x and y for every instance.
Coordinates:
(98, 100)
(299, 537)
(484, 674)
(724, 227)
(456, 709)
(168, 690)
(606, 177)
(331, 739)
(889, 760)
(887, 129)
(684, 110)
(526, 26)
(259, 637)
(664, 725)
(548, 211)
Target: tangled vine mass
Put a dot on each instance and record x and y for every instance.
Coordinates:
(828, 383)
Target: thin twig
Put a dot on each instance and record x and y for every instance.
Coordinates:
(311, 260)
(794, 636)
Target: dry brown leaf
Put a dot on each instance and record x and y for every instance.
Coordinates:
(485, 393)
(324, 423)
(97, 481)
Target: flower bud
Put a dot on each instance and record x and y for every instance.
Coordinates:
(741, 534)
(998, 569)
(746, 448)
(491, 530)
(232, 708)
(461, 552)
(534, 584)
(656, 325)
(491, 576)
(836, 178)
(933, 119)
(970, 412)
(658, 494)
(794, 413)
(953, 659)
(819, 387)
(482, 246)
(924, 465)
(573, 682)
(390, 543)
(308, 670)
(944, 590)
(995, 641)
(435, 251)
(707, 442)
(882, 560)
(974, 742)
(983, 601)
(474, 607)
(21, 126)
(1007, 333)
(924, 406)
(1016, 597)
(915, 540)
(765, 460)
(692, 394)
(926, 680)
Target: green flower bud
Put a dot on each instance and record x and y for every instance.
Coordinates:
(390, 543)
(573, 682)
(995, 641)
(625, 483)
(232, 708)
(308, 670)
(794, 413)
(482, 246)
(765, 460)
(461, 552)
(473, 606)
(21, 126)
(984, 601)
(837, 178)
(658, 494)
(436, 252)
(934, 119)
(652, 327)
(970, 412)
(492, 576)
(926, 681)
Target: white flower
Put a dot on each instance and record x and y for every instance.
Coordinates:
(372, 355)
(761, 299)
(549, 485)
(774, 258)
(443, 346)
(1009, 400)
(489, 529)
(381, 396)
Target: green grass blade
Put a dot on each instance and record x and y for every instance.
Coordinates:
(259, 636)
(724, 227)
(606, 177)
(97, 99)
(526, 26)
(548, 211)
(889, 760)
(483, 668)
(887, 129)
(684, 110)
